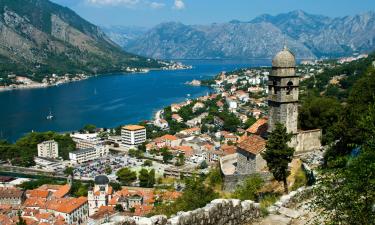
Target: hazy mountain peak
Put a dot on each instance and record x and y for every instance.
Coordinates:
(309, 35)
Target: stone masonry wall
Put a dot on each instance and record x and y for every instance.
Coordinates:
(218, 212)
(307, 140)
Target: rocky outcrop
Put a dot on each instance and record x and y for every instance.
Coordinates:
(39, 38)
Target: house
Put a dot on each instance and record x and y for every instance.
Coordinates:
(175, 107)
(197, 106)
(73, 210)
(230, 138)
(186, 150)
(242, 96)
(177, 118)
(162, 123)
(166, 141)
(249, 159)
(11, 196)
(256, 113)
(191, 131)
(232, 103)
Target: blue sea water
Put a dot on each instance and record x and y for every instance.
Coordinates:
(106, 101)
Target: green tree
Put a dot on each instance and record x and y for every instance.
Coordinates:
(249, 122)
(126, 176)
(146, 178)
(180, 159)
(195, 195)
(214, 176)
(69, 171)
(108, 169)
(203, 165)
(249, 189)
(278, 154)
(119, 208)
(89, 128)
(147, 163)
(347, 195)
(167, 155)
(21, 221)
(115, 185)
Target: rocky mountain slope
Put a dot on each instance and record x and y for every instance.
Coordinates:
(38, 38)
(307, 35)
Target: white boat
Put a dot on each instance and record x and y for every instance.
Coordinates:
(50, 116)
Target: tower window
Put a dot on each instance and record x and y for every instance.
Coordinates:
(274, 87)
(289, 87)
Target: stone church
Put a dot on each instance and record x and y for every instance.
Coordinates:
(283, 92)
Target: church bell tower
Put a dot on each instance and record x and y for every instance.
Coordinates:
(283, 89)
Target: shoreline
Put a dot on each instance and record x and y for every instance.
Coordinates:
(44, 85)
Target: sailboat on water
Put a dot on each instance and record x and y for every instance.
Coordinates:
(50, 116)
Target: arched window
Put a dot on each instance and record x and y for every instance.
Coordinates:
(289, 87)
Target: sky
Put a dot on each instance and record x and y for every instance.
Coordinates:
(147, 13)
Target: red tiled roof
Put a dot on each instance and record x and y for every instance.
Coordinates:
(36, 193)
(253, 144)
(169, 137)
(259, 127)
(62, 191)
(228, 149)
(66, 205)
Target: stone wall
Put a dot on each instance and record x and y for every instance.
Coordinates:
(230, 182)
(218, 212)
(306, 141)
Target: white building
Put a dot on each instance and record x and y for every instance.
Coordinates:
(100, 195)
(48, 149)
(88, 154)
(84, 141)
(73, 210)
(132, 136)
(162, 123)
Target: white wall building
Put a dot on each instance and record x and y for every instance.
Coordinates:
(88, 154)
(84, 141)
(48, 149)
(132, 136)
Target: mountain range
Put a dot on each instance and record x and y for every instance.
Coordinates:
(38, 38)
(309, 36)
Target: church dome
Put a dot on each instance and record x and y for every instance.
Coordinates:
(284, 59)
(101, 180)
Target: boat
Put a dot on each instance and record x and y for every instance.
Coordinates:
(50, 116)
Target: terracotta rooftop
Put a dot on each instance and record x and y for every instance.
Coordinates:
(259, 127)
(253, 144)
(66, 205)
(103, 211)
(169, 137)
(133, 127)
(37, 193)
(10, 193)
(228, 149)
(62, 191)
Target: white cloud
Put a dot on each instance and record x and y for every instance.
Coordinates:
(179, 4)
(114, 2)
(157, 5)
